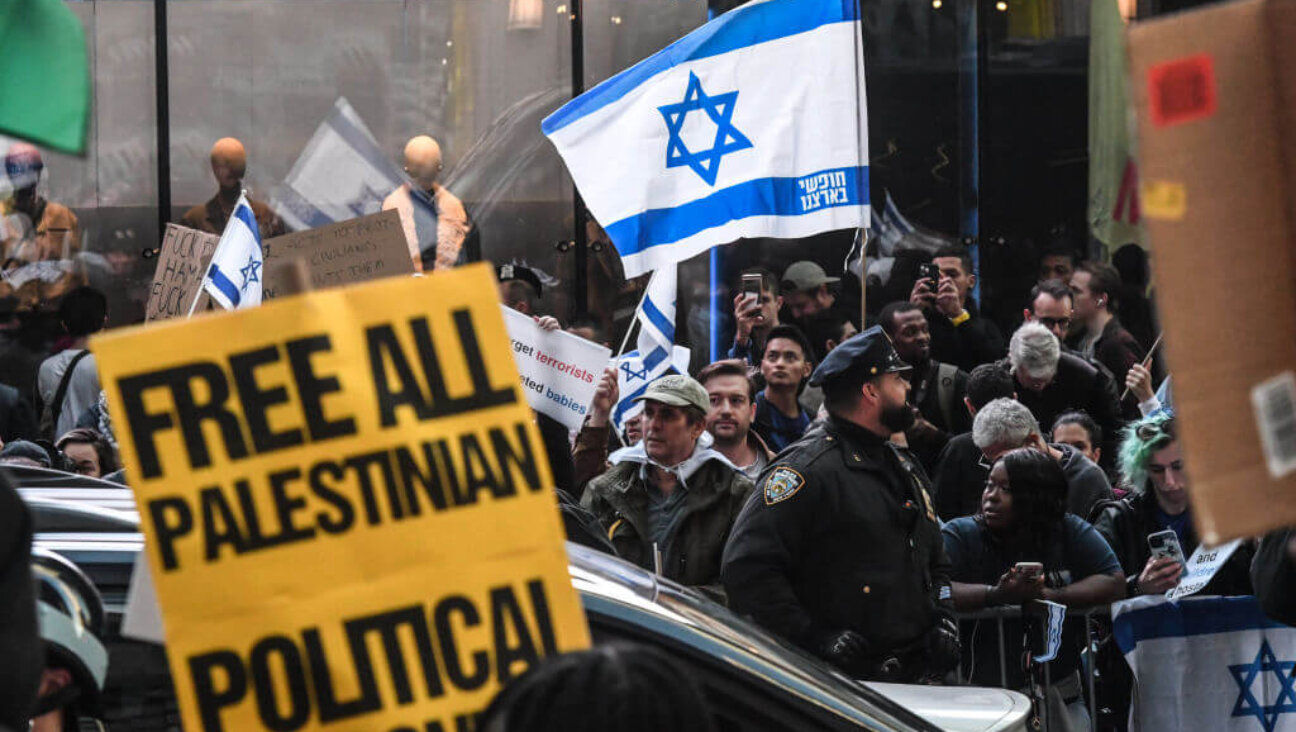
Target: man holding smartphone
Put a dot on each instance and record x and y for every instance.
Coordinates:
(756, 308)
(959, 335)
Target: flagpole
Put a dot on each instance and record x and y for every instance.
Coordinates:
(201, 286)
(863, 233)
(634, 319)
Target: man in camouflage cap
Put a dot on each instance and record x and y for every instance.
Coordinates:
(838, 549)
(671, 493)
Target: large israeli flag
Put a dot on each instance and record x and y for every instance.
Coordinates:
(753, 125)
(234, 277)
(1209, 663)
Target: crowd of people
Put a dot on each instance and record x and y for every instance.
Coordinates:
(860, 493)
(856, 484)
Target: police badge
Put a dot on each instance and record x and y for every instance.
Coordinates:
(782, 484)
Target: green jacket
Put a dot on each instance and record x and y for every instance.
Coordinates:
(716, 493)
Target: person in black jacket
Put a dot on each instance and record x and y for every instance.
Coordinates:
(17, 418)
(838, 550)
(959, 334)
(938, 388)
(1273, 573)
(1051, 383)
(20, 644)
(1152, 462)
(960, 471)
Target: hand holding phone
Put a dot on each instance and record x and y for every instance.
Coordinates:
(1165, 545)
(1029, 570)
(931, 273)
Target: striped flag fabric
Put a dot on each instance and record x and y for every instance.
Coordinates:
(753, 125)
(234, 277)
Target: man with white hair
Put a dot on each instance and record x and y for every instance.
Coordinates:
(1051, 383)
(1006, 424)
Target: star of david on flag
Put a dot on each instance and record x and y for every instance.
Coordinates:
(720, 109)
(1265, 665)
(753, 125)
(1207, 663)
(233, 278)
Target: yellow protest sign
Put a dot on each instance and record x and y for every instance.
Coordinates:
(348, 510)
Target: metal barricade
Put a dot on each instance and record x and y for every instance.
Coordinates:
(1088, 658)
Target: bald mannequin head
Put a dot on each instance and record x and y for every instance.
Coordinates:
(423, 161)
(229, 163)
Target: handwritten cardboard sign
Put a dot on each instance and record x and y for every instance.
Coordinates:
(358, 250)
(183, 259)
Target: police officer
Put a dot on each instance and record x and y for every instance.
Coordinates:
(838, 549)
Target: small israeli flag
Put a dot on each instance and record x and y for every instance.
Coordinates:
(234, 278)
(754, 125)
(657, 354)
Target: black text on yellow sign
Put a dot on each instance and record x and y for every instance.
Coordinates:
(348, 509)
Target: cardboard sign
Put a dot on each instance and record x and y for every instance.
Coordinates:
(348, 512)
(1212, 88)
(1201, 567)
(560, 371)
(367, 248)
(181, 262)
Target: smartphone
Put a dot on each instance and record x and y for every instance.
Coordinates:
(1165, 544)
(1030, 570)
(930, 272)
(751, 286)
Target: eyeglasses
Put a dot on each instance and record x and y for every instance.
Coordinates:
(1052, 323)
(984, 462)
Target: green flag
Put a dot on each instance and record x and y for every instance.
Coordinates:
(1113, 171)
(44, 74)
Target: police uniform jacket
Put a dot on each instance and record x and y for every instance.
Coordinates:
(840, 534)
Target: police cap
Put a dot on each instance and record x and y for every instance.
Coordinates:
(506, 272)
(870, 352)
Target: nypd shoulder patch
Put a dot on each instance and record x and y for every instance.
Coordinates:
(781, 485)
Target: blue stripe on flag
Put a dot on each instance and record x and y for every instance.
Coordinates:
(1180, 620)
(658, 318)
(623, 406)
(738, 28)
(657, 356)
(759, 197)
(245, 215)
(223, 284)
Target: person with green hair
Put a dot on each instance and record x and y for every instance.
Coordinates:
(1151, 463)
(1152, 466)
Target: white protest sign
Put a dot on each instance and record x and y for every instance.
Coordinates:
(142, 618)
(559, 371)
(1201, 567)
